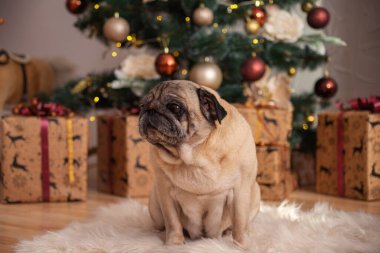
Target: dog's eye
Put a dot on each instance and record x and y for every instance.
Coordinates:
(174, 108)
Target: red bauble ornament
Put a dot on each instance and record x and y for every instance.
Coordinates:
(76, 6)
(259, 14)
(252, 69)
(318, 18)
(166, 64)
(326, 87)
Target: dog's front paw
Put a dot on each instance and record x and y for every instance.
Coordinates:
(242, 241)
(174, 239)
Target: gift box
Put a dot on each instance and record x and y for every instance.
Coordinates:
(273, 162)
(43, 159)
(124, 165)
(274, 176)
(270, 126)
(348, 154)
(303, 164)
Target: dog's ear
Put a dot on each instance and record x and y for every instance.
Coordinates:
(210, 106)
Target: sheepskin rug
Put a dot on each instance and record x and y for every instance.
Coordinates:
(127, 227)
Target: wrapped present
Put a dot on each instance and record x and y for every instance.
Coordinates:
(279, 191)
(124, 166)
(43, 158)
(348, 154)
(303, 164)
(270, 126)
(273, 162)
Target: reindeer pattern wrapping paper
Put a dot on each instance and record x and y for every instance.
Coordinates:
(270, 126)
(124, 166)
(21, 159)
(360, 155)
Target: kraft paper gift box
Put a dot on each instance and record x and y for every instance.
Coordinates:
(124, 166)
(274, 176)
(273, 162)
(43, 159)
(348, 154)
(270, 126)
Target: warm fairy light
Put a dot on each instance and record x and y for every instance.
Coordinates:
(310, 118)
(262, 40)
(92, 118)
(176, 53)
(114, 54)
(116, 15)
(187, 19)
(96, 6)
(129, 38)
(159, 18)
(305, 126)
(257, 3)
(255, 41)
(215, 25)
(96, 99)
(234, 6)
(118, 44)
(184, 72)
(224, 30)
(292, 70)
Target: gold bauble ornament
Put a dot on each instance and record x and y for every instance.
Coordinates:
(252, 26)
(203, 16)
(116, 29)
(307, 6)
(207, 74)
(292, 71)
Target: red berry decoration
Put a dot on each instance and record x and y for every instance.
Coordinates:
(326, 87)
(318, 18)
(259, 14)
(166, 64)
(76, 6)
(252, 69)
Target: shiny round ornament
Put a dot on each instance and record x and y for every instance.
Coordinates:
(259, 14)
(207, 74)
(116, 29)
(292, 71)
(76, 6)
(252, 26)
(326, 87)
(252, 69)
(203, 16)
(318, 18)
(166, 64)
(307, 6)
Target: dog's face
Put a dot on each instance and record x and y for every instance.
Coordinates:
(180, 111)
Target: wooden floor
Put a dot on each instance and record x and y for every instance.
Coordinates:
(24, 221)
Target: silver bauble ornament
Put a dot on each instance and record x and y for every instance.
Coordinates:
(207, 74)
(203, 16)
(116, 29)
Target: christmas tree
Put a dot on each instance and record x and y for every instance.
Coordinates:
(240, 48)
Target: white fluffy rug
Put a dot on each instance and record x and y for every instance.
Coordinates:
(127, 227)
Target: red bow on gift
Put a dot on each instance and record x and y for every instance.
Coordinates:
(371, 104)
(38, 108)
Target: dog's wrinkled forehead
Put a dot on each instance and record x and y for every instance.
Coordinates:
(181, 89)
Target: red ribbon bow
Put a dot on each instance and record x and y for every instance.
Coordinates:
(371, 104)
(41, 109)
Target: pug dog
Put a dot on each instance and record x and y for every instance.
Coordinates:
(204, 160)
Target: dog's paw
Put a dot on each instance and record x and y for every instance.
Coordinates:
(174, 239)
(242, 241)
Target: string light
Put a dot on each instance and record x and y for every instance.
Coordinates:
(305, 126)
(92, 118)
(257, 3)
(255, 41)
(292, 71)
(310, 118)
(184, 72)
(159, 18)
(129, 38)
(118, 44)
(96, 6)
(187, 19)
(114, 54)
(176, 53)
(234, 6)
(96, 99)
(224, 30)
(215, 25)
